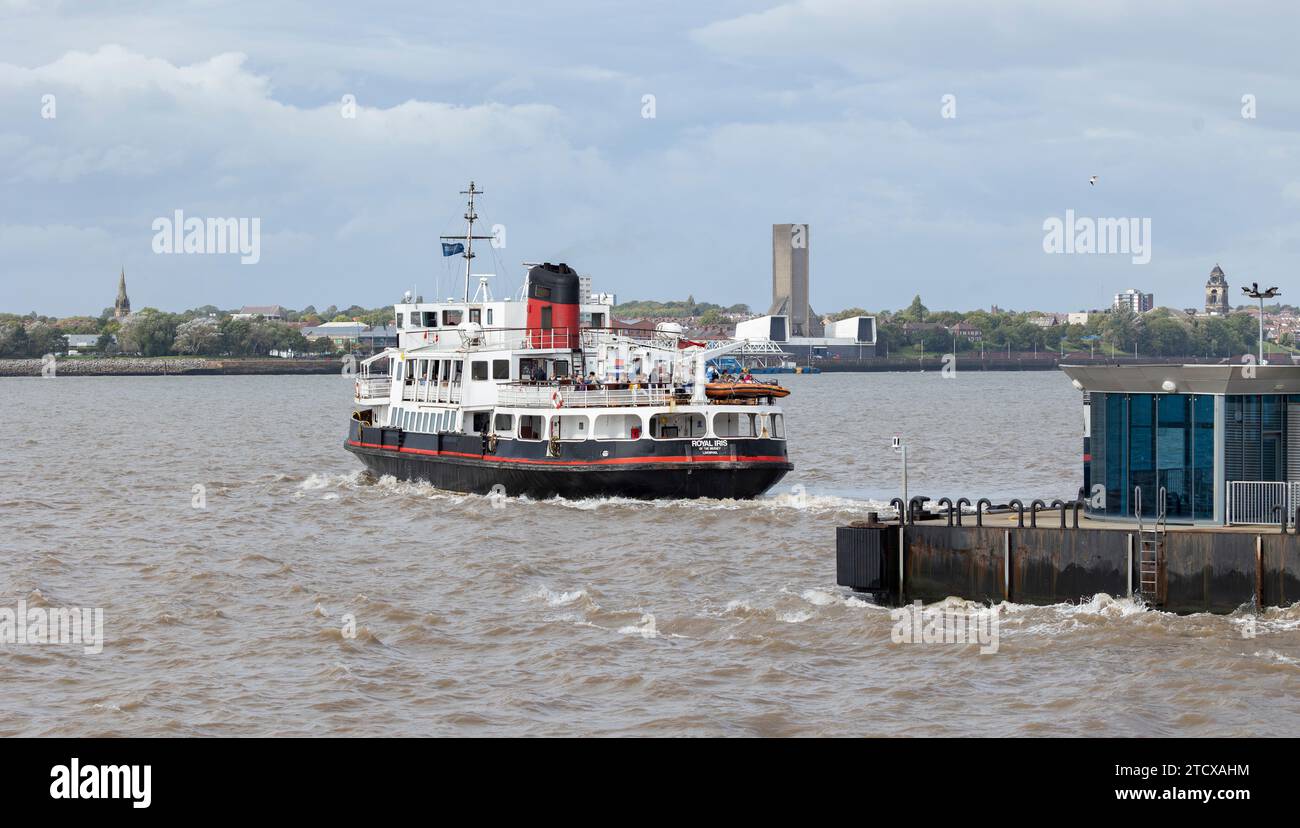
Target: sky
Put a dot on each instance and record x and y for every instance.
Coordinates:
(824, 112)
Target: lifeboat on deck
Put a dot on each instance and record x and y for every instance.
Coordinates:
(744, 390)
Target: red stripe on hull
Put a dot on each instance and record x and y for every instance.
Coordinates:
(605, 462)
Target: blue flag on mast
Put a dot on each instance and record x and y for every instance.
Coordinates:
(452, 249)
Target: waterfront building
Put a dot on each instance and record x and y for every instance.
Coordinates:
(1222, 441)
(790, 279)
(354, 335)
(81, 343)
(122, 305)
(271, 312)
(852, 338)
(1216, 294)
(1135, 301)
(967, 331)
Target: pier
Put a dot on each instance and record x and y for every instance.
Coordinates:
(1186, 569)
(1190, 501)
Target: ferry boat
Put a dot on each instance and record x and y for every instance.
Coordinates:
(541, 397)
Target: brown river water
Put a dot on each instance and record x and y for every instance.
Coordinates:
(515, 617)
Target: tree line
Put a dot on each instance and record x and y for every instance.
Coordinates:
(1160, 332)
(205, 331)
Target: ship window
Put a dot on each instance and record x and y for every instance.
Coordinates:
(504, 423)
(676, 426)
(475, 315)
(451, 318)
(478, 369)
(559, 368)
(530, 427)
(481, 421)
(430, 319)
(501, 369)
(571, 427)
(489, 316)
(541, 292)
(733, 424)
(617, 427)
(778, 426)
(399, 320)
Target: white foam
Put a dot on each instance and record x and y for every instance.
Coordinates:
(646, 629)
(559, 599)
(796, 617)
(1278, 657)
(818, 598)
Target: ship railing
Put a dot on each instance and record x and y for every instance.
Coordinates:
(597, 336)
(431, 391)
(525, 395)
(515, 339)
(373, 386)
(1262, 502)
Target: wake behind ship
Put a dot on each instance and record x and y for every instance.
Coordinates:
(540, 397)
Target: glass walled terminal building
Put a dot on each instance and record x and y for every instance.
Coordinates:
(1224, 445)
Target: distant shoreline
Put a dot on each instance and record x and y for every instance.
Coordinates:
(170, 367)
(266, 366)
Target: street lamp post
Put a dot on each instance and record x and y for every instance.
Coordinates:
(1255, 293)
(901, 449)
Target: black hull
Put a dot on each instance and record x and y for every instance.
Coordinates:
(648, 470)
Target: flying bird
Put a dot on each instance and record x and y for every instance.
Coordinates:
(1092, 181)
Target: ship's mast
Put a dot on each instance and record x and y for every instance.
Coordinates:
(469, 237)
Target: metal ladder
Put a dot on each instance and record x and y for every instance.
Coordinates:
(1151, 546)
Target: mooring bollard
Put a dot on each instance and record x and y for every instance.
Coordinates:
(960, 501)
(915, 506)
(1020, 513)
(948, 501)
(899, 508)
(1061, 504)
(979, 510)
(1033, 513)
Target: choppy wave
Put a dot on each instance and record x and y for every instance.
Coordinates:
(604, 616)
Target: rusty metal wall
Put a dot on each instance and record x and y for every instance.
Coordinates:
(961, 561)
(1050, 566)
(1208, 571)
(865, 557)
(1201, 572)
(1280, 579)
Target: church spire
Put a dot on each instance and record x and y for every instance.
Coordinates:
(121, 307)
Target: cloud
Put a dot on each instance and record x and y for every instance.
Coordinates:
(816, 110)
